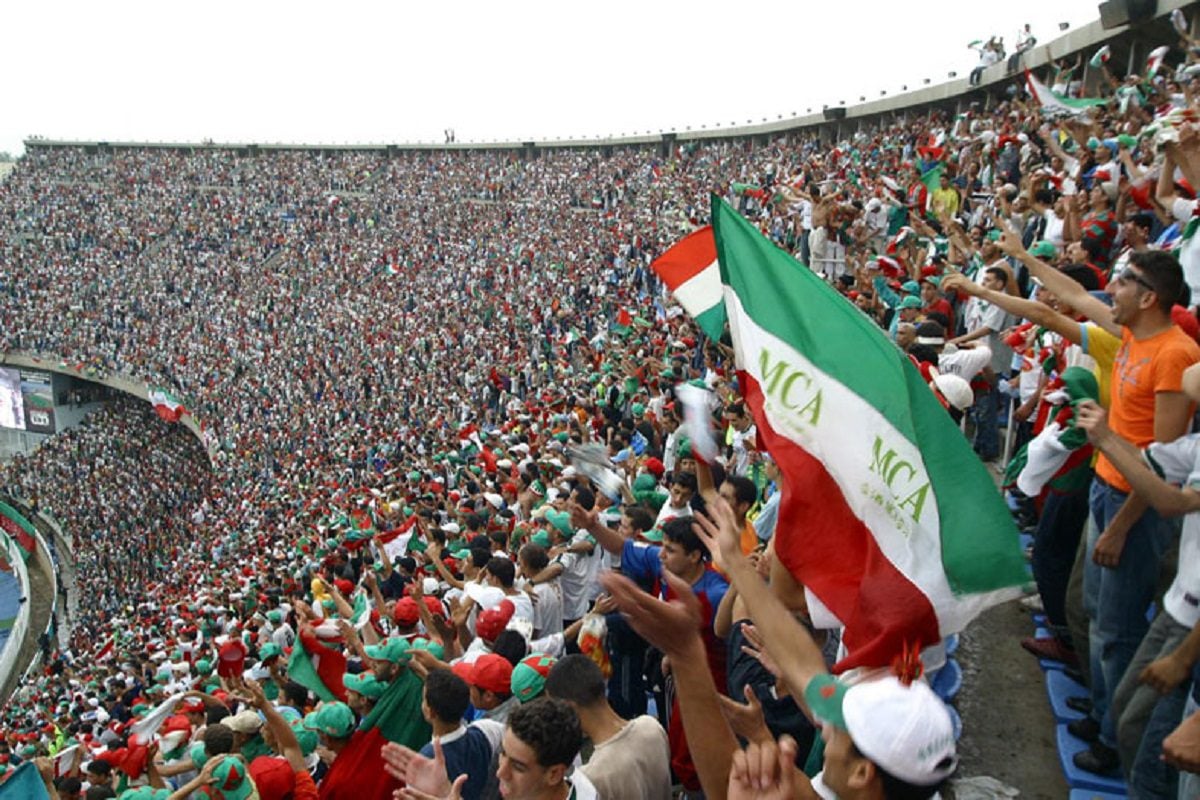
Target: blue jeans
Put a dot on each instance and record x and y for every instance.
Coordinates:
(1116, 599)
(1189, 782)
(1145, 718)
(987, 429)
(1055, 542)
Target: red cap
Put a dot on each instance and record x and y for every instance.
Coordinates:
(344, 586)
(492, 673)
(231, 658)
(191, 705)
(406, 612)
(463, 670)
(435, 606)
(491, 623)
(655, 467)
(273, 777)
(177, 723)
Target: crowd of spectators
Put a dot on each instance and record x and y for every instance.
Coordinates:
(387, 567)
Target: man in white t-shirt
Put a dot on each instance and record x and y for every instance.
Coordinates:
(986, 321)
(965, 362)
(631, 758)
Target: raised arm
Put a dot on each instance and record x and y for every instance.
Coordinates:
(791, 646)
(1162, 496)
(1065, 288)
(1032, 310)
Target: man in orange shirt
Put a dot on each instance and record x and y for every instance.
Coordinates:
(741, 494)
(1129, 539)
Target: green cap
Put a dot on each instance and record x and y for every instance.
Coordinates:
(232, 779)
(653, 535)
(393, 649)
(684, 449)
(824, 696)
(638, 409)
(203, 666)
(275, 616)
(308, 740)
(270, 650)
(335, 720)
(911, 287)
(529, 677)
(541, 539)
(644, 483)
(1043, 249)
(144, 793)
(434, 648)
(364, 683)
(560, 520)
(197, 754)
(910, 302)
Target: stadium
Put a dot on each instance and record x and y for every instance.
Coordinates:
(294, 437)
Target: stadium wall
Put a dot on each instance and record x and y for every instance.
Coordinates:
(18, 635)
(1130, 44)
(22, 655)
(121, 383)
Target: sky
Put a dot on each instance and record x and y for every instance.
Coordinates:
(527, 70)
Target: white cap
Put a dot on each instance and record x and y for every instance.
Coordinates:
(956, 390)
(906, 730)
(451, 527)
(245, 722)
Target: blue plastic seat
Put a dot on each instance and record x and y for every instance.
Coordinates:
(947, 681)
(1077, 778)
(1059, 687)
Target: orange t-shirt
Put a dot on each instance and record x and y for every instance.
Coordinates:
(749, 540)
(1141, 370)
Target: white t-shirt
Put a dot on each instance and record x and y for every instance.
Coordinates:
(634, 763)
(1189, 249)
(1178, 462)
(548, 610)
(965, 362)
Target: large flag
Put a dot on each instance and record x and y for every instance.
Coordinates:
(318, 668)
(395, 542)
(689, 269)
(887, 518)
(148, 725)
(24, 784)
(166, 405)
(1057, 104)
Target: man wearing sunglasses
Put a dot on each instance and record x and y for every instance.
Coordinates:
(1128, 539)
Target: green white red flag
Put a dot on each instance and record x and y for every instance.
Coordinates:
(167, 405)
(689, 269)
(887, 517)
(1057, 104)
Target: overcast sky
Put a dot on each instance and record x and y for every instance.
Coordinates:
(526, 70)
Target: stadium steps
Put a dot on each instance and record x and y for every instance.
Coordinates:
(1084, 785)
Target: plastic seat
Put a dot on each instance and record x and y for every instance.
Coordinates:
(1077, 778)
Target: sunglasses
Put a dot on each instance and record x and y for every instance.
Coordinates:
(1127, 275)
